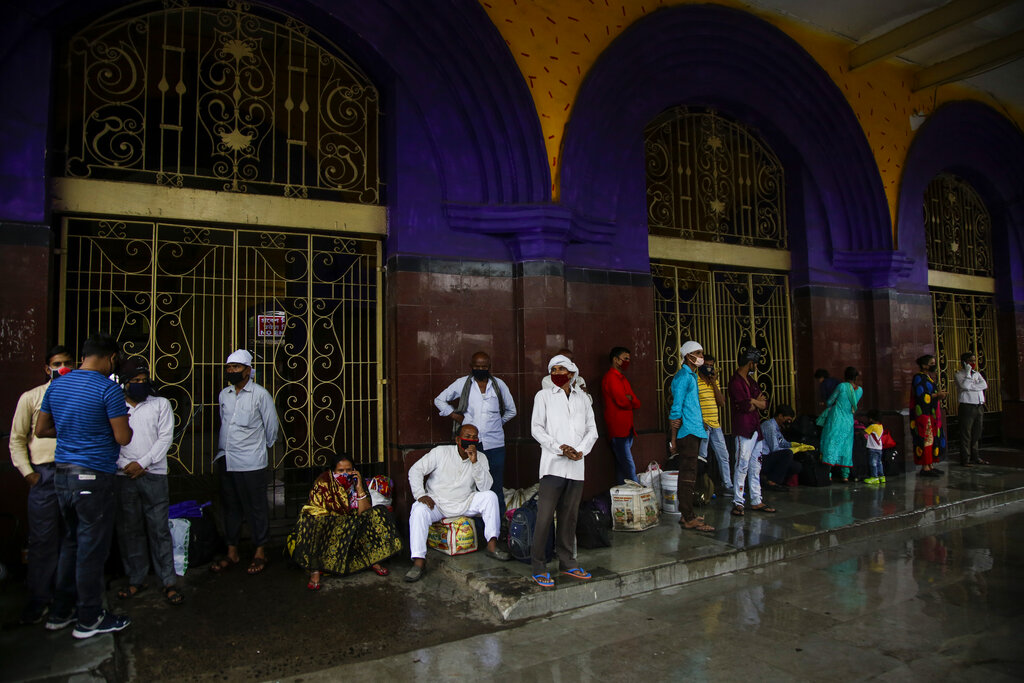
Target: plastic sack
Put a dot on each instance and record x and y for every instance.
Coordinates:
(179, 543)
(633, 507)
(453, 536)
(380, 488)
(652, 480)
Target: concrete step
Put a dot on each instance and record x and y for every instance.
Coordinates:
(809, 520)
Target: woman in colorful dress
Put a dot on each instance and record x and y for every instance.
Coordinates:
(837, 437)
(339, 532)
(926, 417)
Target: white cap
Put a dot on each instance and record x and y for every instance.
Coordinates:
(240, 356)
(564, 362)
(689, 347)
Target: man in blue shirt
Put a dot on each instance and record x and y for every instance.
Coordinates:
(686, 417)
(86, 413)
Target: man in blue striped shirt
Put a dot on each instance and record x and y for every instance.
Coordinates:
(86, 413)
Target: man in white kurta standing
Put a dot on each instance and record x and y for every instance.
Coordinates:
(452, 481)
(248, 427)
(563, 424)
(482, 400)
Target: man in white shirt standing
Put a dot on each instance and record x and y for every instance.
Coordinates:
(482, 400)
(33, 456)
(141, 486)
(248, 427)
(452, 481)
(971, 385)
(563, 424)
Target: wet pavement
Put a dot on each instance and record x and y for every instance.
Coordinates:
(936, 603)
(830, 566)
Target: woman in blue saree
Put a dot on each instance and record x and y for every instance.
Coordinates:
(837, 437)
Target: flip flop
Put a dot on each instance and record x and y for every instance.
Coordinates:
(737, 510)
(131, 591)
(173, 596)
(578, 573)
(696, 524)
(763, 508)
(221, 566)
(257, 566)
(313, 586)
(543, 580)
(379, 570)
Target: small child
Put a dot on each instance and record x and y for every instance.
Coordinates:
(873, 436)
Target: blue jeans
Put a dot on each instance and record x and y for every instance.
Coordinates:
(496, 464)
(87, 505)
(45, 535)
(142, 516)
(875, 456)
(624, 467)
(717, 439)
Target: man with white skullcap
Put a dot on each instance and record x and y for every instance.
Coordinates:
(248, 427)
(563, 424)
(686, 417)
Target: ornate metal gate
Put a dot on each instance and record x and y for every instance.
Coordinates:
(184, 296)
(727, 311)
(966, 323)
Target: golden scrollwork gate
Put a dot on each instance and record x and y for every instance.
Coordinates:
(184, 296)
(727, 311)
(966, 323)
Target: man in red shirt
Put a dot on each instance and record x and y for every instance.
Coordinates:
(619, 404)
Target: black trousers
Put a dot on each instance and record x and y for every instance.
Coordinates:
(778, 466)
(245, 496)
(970, 432)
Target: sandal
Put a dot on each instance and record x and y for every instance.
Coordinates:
(578, 573)
(379, 570)
(763, 508)
(221, 566)
(543, 580)
(737, 510)
(173, 595)
(131, 591)
(696, 524)
(257, 566)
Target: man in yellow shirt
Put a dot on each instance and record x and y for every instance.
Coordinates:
(711, 399)
(33, 457)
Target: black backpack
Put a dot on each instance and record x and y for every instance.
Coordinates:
(520, 533)
(813, 472)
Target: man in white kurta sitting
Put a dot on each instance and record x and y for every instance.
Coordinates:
(452, 481)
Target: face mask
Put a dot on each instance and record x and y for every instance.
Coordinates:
(625, 365)
(697, 361)
(560, 380)
(234, 377)
(481, 375)
(57, 372)
(931, 368)
(138, 391)
(466, 443)
(973, 366)
(344, 479)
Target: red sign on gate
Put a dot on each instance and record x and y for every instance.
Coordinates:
(270, 326)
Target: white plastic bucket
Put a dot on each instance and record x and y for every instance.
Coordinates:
(669, 489)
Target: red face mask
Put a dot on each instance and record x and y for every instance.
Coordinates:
(625, 365)
(560, 380)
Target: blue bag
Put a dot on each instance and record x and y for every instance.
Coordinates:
(520, 533)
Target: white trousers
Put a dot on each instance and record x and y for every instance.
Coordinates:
(748, 470)
(484, 505)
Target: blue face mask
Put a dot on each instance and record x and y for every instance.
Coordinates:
(138, 391)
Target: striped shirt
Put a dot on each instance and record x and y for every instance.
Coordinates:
(708, 404)
(82, 403)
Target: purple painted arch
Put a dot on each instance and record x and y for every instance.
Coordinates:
(729, 59)
(982, 146)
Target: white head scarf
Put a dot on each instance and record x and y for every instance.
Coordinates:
(564, 362)
(689, 347)
(242, 357)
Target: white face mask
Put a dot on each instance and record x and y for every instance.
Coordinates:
(698, 361)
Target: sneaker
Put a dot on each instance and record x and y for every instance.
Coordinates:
(56, 621)
(881, 480)
(106, 623)
(33, 614)
(872, 480)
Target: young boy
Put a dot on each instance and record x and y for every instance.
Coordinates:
(873, 436)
